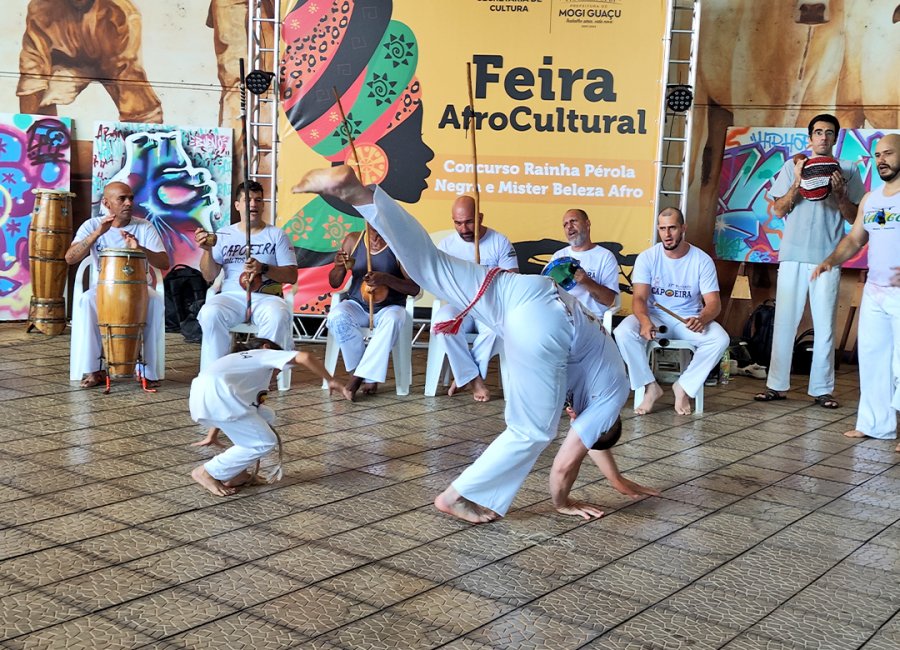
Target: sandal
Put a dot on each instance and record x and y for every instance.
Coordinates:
(769, 396)
(827, 401)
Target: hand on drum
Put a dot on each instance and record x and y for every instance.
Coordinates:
(130, 240)
(580, 276)
(838, 186)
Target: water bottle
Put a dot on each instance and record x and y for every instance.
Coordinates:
(725, 368)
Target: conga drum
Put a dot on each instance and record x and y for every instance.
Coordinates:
(49, 237)
(122, 308)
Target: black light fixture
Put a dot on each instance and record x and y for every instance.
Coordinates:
(680, 98)
(258, 81)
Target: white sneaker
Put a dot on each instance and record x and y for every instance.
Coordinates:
(753, 370)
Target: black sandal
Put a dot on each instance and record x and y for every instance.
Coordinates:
(827, 401)
(769, 396)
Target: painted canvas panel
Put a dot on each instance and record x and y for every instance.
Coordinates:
(34, 153)
(747, 229)
(180, 175)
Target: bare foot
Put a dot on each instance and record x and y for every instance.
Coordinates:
(480, 391)
(855, 434)
(335, 385)
(349, 391)
(340, 182)
(452, 503)
(93, 379)
(213, 485)
(369, 388)
(897, 449)
(652, 392)
(237, 480)
(682, 400)
(211, 439)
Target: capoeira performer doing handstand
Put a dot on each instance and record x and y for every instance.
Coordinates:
(538, 330)
(878, 224)
(228, 395)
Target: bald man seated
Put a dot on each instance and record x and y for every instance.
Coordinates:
(117, 229)
(469, 366)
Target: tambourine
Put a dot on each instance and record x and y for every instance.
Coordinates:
(562, 271)
(815, 177)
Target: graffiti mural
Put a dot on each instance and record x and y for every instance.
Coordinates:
(181, 178)
(34, 153)
(747, 229)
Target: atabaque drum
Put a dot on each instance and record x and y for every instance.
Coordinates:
(49, 237)
(562, 271)
(122, 308)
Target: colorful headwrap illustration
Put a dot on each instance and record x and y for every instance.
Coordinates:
(354, 48)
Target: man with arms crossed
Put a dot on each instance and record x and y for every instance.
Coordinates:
(470, 366)
(681, 278)
(878, 338)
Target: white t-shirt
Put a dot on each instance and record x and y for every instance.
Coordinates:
(494, 249)
(230, 387)
(677, 284)
(813, 228)
(884, 239)
(601, 266)
(268, 246)
(143, 231)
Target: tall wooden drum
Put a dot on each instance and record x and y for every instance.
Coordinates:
(122, 308)
(49, 237)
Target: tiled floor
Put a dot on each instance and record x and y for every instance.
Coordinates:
(773, 531)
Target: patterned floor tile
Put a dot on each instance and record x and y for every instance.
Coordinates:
(241, 630)
(85, 632)
(527, 629)
(377, 585)
(665, 628)
(453, 611)
(168, 612)
(312, 611)
(810, 630)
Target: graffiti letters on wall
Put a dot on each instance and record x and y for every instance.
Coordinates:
(181, 177)
(34, 153)
(747, 229)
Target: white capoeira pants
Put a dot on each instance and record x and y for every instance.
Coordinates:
(368, 362)
(271, 314)
(537, 332)
(711, 344)
(91, 358)
(879, 361)
(790, 301)
(252, 438)
(466, 363)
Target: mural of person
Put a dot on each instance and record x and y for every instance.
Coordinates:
(370, 60)
(69, 43)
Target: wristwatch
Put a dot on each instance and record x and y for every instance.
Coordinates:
(264, 269)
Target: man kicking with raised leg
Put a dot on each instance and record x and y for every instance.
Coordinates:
(528, 312)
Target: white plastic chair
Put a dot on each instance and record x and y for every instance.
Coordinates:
(609, 313)
(401, 353)
(437, 366)
(686, 350)
(84, 271)
(250, 329)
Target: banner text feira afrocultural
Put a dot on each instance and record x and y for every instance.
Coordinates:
(548, 84)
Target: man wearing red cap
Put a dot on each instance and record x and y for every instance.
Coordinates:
(814, 208)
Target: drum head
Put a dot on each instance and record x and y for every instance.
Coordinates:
(121, 252)
(815, 177)
(562, 271)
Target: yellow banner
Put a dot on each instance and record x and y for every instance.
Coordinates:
(567, 97)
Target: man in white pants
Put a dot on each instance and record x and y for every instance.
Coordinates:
(118, 229)
(878, 224)
(682, 278)
(812, 229)
(271, 260)
(469, 367)
(539, 326)
(597, 281)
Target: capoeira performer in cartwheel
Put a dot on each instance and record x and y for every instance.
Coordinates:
(228, 396)
(545, 333)
(878, 224)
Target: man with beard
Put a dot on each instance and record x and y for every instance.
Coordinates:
(814, 211)
(878, 224)
(469, 367)
(682, 278)
(597, 281)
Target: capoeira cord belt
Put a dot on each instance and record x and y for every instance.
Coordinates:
(452, 326)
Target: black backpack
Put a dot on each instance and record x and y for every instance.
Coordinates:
(185, 291)
(758, 332)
